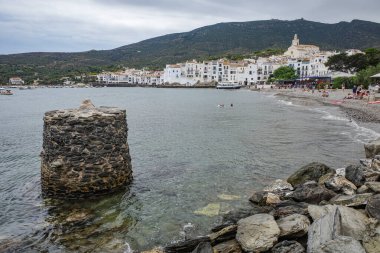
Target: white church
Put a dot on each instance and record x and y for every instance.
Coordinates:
(296, 50)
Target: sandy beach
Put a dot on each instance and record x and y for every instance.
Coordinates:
(359, 110)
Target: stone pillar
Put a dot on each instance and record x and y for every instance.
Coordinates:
(85, 152)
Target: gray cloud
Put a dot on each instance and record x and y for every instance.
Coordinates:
(71, 25)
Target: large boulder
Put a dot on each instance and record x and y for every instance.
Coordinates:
(288, 207)
(288, 247)
(340, 184)
(373, 206)
(355, 173)
(341, 244)
(372, 148)
(353, 222)
(311, 193)
(293, 226)
(257, 233)
(231, 246)
(312, 171)
(323, 230)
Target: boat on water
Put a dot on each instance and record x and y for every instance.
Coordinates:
(228, 85)
(5, 92)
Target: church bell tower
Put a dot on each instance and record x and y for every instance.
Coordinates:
(295, 41)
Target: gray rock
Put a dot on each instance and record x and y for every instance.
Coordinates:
(317, 212)
(363, 189)
(223, 235)
(373, 206)
(311, 193)
(351, 201)
(340, 184)
(203, 247)
(372, 148)
(323, 230)
(235, 215)
(279, 185)
(373, 186)
(257, 233)
(259, 197)
(341, 244)
(288, 247)
(312, 171)
(288, 207)
(353, 222)
(355, 174)
(231, 246)
(185, 246)
(293, 226)
(372, 245)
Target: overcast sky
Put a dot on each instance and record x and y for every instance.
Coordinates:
(81, 25)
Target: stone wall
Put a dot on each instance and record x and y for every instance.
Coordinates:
(85, 152)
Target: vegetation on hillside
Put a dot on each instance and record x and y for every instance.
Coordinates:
(236, 40)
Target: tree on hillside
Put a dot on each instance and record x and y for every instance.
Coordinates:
(284, 73)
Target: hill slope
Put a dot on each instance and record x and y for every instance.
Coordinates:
(218, 39)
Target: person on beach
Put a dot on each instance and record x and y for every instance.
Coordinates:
(343, 87)
(354, 90)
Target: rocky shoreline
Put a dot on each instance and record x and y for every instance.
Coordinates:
(316, 210)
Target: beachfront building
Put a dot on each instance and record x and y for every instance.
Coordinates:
(16, 81)
(132, 77)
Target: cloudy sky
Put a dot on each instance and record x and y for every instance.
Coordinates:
(79, 25)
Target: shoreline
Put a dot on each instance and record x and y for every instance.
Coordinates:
(358, 110)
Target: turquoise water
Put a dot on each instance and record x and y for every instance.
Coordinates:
(186, 152)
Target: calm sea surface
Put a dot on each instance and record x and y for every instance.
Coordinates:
(186, 154)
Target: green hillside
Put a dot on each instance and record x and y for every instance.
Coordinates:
(219, 39)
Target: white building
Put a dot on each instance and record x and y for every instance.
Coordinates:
(16, 81)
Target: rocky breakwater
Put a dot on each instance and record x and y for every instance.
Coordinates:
(316, 210)
(85, 152)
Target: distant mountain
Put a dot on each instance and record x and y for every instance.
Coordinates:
(218, 39)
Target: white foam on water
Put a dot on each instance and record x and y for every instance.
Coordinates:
(360, 134)
(288, 103)
(128, 248)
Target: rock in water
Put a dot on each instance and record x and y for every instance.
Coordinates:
(372, 148)
(373, 206)
(203, 247)
(293, 226)
(85, 152)
(288, 247)
(355, 174)
(342, 244)
(278, 185)
(310, 172)
(257, 233)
